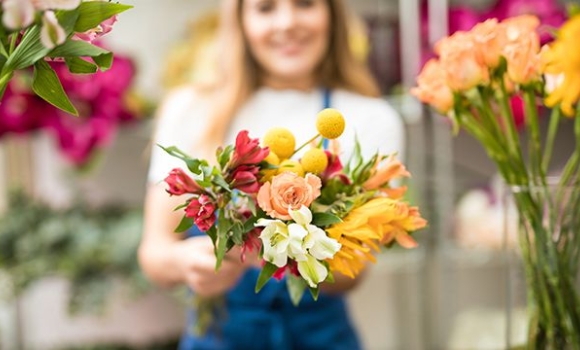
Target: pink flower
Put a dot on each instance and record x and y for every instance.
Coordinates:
(550, 12)
(288, 191)
(180, 183)
(99, 99)
(245, 178)
(292, 267)
(93, 34)
(202, 211)
(247, 151)
(252, 242)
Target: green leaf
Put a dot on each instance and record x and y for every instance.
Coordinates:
(78, 48)
(212, 233)
(314, 292)
(194, 165)
(296, 288)
(223, 228)
(104, 61)
(324, 219)
(27, 52)
(329, 277)
(92, 13)
(184, 225)
(79, 66)
(355, 159)
(267, 271)
(45, 83)
(250, 223)
(67, 20)
(220, 181)
(224, 156)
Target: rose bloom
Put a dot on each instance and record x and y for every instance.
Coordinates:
(288, 191)
(459, 60)
(522, 48)
(432, 87)
(489, 39)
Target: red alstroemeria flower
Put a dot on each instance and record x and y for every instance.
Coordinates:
(247, 151)
(292, 266)
(181, 183)
(245, 178)
(202, 211)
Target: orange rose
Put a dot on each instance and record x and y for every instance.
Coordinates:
(458, 56)
(489, 38)
(288, 191)
(522, 48)
(432, 87)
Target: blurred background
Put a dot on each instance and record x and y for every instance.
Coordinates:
(71, 192)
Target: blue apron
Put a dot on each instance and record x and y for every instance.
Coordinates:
(269, 320)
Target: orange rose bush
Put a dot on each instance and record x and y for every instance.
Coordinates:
(308, 216)
(471, 82)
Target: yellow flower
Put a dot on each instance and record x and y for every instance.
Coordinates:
(562, 57)
(330, 123)
(368, 225)
(291, 166)
(280, 141)
(314, 161)
(271, 159)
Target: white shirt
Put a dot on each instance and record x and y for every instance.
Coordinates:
(183, 118)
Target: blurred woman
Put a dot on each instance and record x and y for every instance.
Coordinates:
(280, 62)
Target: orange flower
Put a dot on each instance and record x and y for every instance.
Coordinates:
(522, 47)
(288, 191)
(459, 59)
(432, 87)
(380, 177)
(409, 220)
(368, 225)
(489, 38)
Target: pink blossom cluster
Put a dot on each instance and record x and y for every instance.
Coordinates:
(100, 99)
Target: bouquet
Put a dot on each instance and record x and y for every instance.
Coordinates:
(309, 217)
(34, 31)
(471, 82)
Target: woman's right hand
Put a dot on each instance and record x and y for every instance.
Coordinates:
(196, 260)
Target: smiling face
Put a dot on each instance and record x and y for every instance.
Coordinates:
(287, 38)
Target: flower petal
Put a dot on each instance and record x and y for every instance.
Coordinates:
(302, 216)
(312, 270)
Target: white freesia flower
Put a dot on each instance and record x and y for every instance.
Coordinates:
(279, 242)
(312, 270)
(316, 241)
(51, 33)
(17, 14)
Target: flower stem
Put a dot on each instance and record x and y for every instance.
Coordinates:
(534, 146)
(304, 144)
(512, 136)
(552, 131)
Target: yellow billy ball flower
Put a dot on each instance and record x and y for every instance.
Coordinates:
(268, 174)
(314, 161)
(292, 166)
(281, 141)
(330, 123)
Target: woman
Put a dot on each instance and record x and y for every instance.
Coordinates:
(281, 62)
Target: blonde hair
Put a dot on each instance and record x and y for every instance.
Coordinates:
(240, 74)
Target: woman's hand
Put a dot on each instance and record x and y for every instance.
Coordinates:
(196, 260)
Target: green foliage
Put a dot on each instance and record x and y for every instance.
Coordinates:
(91, 247)
(21, 51)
